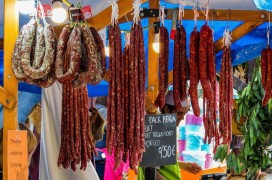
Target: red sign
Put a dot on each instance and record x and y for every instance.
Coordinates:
(87, 12)
(47, 10)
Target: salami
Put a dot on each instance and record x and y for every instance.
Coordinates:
(39, 47)
(203, 73)
(193, 65)
(94, 72)
(268, 86)
(100, 49)
(47, 53)
(176, 70)
(22, 50)
(183, 64)
(76, 143)
(75, 43)
(163, 67)
(125, 132)
(264, 66)
(226, 97)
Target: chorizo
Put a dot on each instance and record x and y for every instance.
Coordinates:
(163, 68)
(176, 70)
(49, 55)
(264, 66)
(183, 63)
(75, 43)
(268, 78)
(23, 49)
(100, 49)
(193, 65)
(206, 85)
(93, 75)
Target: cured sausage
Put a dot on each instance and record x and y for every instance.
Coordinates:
(39, 47)
(93, 75)
(268, 86)
(100, 49)
(203, 73)
(193, 65)
(183, 64)
(111, 110)
(176, 70)
(163, 67)
(49, 55)
(23, 49)
(264, 66)
(142, 76)
(75, 43)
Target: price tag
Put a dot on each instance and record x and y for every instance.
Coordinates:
(47, 10)
(87, 11)
(160, 140)
(17, 155)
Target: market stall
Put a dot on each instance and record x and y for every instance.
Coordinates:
(154, 47)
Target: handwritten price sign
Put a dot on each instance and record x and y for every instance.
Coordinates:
(17, 155)
(160, 140)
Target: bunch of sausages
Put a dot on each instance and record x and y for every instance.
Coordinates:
(207, 76)
(76, 144)
(125, 130)
(34, 54)
(180, 67)
(266, 72)
(86, 55)
(163, 67)
(226, 97)
(80, 60)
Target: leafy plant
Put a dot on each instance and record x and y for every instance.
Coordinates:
(235, 161)
(221, 153)
(257, 128)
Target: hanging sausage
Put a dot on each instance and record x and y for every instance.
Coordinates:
(125, 117)
(34, 54)
(226, 92)
(207, 76)
(163, 63)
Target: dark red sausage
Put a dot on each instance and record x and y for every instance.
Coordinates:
(203, 66)
(193, 64)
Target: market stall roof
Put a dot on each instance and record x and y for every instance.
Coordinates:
(246, 48)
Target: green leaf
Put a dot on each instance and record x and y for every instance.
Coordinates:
(256, 124)
(257, 127)
(251, 132)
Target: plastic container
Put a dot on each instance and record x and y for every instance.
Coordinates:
(182, 134)
(208, 162)
(193, 123)
(193, 142)
(198, 157)
(206, 147)
(181, 145)
(180, 158)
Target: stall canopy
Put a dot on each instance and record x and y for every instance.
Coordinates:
(246, 48)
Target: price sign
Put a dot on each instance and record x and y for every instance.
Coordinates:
(17, 155)
(47, 9)
(87, 12)
(160, 140)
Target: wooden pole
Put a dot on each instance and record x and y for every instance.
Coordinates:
(153, 64)
(11, 28)
(237, 33)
